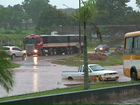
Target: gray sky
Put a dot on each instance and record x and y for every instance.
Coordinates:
(58, 3)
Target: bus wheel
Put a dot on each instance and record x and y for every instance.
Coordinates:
(133, 76)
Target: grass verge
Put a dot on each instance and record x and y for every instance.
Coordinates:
(65, 90)
(115, 58)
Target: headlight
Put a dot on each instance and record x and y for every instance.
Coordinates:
(101, 48)
(35, 51)
(95, 48)
(24, 51)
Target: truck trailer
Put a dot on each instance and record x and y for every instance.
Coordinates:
(52, 44)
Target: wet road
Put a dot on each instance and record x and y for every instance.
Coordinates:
(38, 74)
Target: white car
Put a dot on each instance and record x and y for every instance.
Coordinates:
(14, 51)
(94, 70)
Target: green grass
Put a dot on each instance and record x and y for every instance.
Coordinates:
(115, 58)
(66, 90)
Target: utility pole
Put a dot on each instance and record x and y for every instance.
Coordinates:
(80, 30)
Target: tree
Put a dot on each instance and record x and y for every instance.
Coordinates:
(6, 75)
(4, 13)
(117, 12)
(49, 16)
(138, 3)
(11, 16)
(85, 14)
(15, 16)
(34, 7)
(134, 18)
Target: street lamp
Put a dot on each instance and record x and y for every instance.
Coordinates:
(65, 5)
(79, 26)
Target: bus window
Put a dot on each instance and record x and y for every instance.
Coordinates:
(136, 45)
(128, 45)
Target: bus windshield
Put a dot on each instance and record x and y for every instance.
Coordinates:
(31, 40)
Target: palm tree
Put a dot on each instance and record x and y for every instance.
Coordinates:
(6, 75)
(85, 14)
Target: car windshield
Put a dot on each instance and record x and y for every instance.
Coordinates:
(99, 46)
(97, 68)
(119, 47)
(30, 40)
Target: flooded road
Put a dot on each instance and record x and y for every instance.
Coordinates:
(38, 74)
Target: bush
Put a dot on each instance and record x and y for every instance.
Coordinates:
(7, 32)
(18, 31)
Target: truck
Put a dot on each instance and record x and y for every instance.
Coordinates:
(52, 44)
(95, 70)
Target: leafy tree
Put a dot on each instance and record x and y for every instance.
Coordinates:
(138, 3)
(134, 18)
(117, 12)
(85, 14)
(6, 75)
(50, 16)
(15, 16)
(26, 18)
(11, 16)
(34, 7)
(4, 12)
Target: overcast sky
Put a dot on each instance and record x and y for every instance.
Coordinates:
(58, 3)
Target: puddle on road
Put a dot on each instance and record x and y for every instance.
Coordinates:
(41, 76)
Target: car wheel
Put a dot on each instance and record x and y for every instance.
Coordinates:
(70, 78)
(100, 79)
(23, 56)
(13, 56)
(133, 76)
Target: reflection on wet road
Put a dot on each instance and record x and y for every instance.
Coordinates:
(35, 60)
(35, 85)
(38, 74)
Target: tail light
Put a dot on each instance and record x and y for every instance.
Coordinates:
(121, 49)
(8, 51)
(115, 48)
